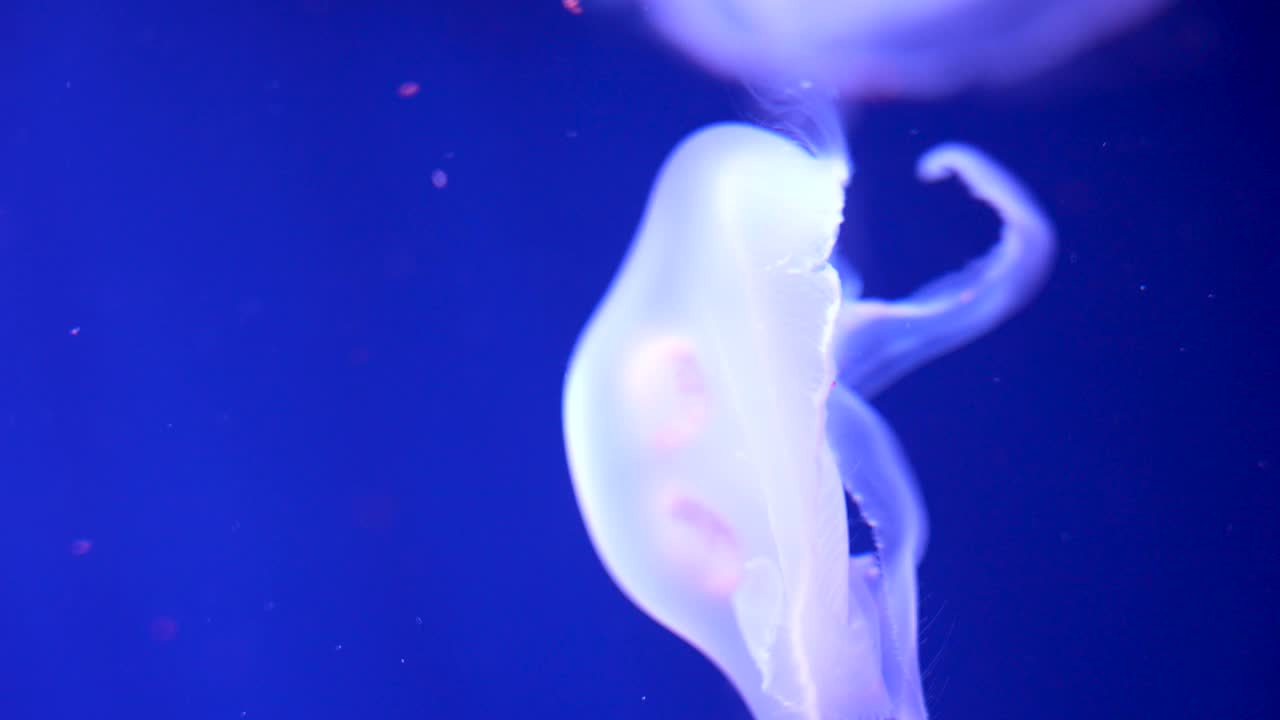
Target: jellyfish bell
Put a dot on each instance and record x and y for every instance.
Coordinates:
(871, 49)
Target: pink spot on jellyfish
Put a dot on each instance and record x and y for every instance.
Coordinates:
(666, 392)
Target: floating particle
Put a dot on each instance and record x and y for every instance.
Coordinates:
(81, 546)
(164, 629)
(439, 178)
(408, 89)
(73, 332)
(573, 6)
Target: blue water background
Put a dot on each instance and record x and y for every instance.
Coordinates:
(280, 424)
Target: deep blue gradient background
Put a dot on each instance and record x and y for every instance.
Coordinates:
(310, 424)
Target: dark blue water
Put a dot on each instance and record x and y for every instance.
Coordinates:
(280, 423)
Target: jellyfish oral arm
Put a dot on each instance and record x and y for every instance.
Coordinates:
(877, 476)
(879, 341)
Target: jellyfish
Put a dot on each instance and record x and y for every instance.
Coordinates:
(889, 48)
(716, 406)
(715, 411)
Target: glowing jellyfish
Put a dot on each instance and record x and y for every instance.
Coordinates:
(710, 443)
(894, 48)
(715, 407)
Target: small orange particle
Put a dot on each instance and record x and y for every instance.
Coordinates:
(573, 6)
(74, 331)
(408, 89)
